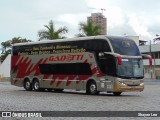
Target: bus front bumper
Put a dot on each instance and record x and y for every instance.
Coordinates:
(121, 87)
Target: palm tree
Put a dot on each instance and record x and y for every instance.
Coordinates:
(19, 40)
(4, 55)
(16, 40)
(88, 29)
(5, 45)
(25, 40)
(50, 32)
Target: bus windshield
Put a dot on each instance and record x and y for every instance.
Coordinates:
(124, 46)
(130, 68)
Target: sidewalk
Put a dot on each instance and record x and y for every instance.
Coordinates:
(7, 79)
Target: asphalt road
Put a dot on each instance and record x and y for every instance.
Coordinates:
(14, 98)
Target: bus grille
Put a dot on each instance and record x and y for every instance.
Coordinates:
(133, 85)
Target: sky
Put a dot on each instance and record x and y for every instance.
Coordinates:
(25, 18)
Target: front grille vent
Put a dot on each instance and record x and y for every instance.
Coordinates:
(133, 85)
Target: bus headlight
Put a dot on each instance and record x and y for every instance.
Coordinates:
(124, 84)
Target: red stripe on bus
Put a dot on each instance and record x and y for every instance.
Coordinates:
(70, 78)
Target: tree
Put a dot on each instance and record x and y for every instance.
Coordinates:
(50, 32)
(4, 55)
(19, 40)
(88, 29)
(6, 46)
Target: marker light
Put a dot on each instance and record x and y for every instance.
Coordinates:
(150, 60)
(119, 59)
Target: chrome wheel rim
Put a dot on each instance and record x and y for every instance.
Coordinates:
(36, 85)
(28, 84)
(93, 88)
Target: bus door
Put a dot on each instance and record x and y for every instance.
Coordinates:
(107, 66)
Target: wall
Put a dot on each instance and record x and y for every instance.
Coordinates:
(5, 67)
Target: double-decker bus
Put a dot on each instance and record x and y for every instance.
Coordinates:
(95, 64)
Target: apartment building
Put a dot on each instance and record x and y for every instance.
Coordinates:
(152, 71)
(99, 19)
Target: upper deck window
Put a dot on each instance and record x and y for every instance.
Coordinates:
(91, 45)
(124, 46)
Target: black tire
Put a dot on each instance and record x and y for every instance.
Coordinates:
(27, 85)
(58, 90)
(117, 93)
(42, 89)
(49, 89)
(92, 88)
(36, 85)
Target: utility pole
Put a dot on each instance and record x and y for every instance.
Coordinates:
(150, 49)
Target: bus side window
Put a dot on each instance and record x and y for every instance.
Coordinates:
(101, 46)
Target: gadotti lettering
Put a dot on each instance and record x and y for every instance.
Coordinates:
(66, 58)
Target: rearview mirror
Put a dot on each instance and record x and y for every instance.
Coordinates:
(145, 56)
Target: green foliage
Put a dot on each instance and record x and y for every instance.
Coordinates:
(50, 32)
(88, 29)
(5, 54)
(19, 40)
(6, 46)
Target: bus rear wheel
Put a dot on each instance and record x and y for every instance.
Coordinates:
(49, 89)
(27, 85)
(117, 93)
(36, 85)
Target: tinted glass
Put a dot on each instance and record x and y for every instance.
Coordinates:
(131, 68)
(66, 69)
(63, 47)
(124, 46)
(107, 65)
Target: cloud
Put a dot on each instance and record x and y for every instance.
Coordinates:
(72, 22)
(25, 17)
(134, 17)
(139, 27)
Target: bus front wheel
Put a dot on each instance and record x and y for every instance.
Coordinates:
(117, 93)
(27, 85)
(92, 88)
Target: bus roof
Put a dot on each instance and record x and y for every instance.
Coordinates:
(62, 40)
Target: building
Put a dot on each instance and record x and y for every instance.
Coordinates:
(135, 38)
(99, 19)
(142, 42)
(152, 71)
